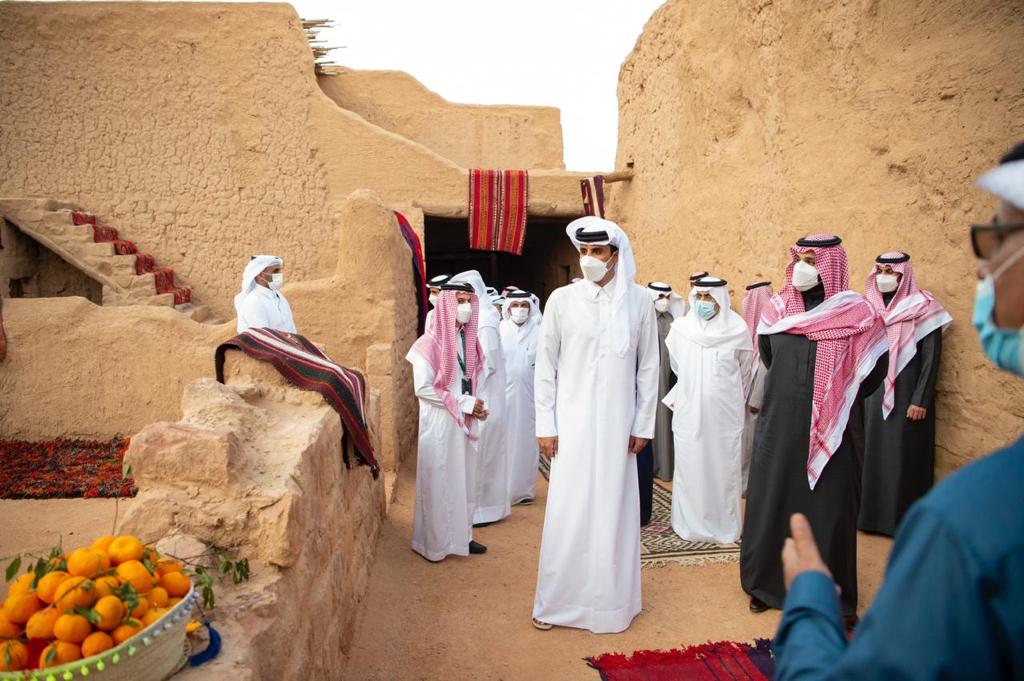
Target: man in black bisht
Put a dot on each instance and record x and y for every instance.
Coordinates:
(899, 419)
(821, 344)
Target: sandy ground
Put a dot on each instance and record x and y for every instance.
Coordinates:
(469, 618)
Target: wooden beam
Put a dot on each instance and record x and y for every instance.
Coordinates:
(619, 176)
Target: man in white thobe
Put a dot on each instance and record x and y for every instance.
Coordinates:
(492, 480)
(710, 351)
(447, 367)
(520, 331)
(596, 389)
(260, 304)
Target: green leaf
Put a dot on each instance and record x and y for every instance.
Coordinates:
(51, 654)
(89, 614)
(126, 470)
(225, 564)
(134, 624)
(7, 657)
(12, 569)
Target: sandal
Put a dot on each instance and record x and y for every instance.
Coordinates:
(543, 626)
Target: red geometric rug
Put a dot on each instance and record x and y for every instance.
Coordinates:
(710, 661)
(62, 469)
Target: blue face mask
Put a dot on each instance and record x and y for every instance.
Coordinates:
(1003, 347)
(705, 310)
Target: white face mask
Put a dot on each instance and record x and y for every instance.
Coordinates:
(519, 315)
(464, 312)
(276, 280)
(886, 283)
(433, 300)
(805, 277)
(592, 268)
(661, 305)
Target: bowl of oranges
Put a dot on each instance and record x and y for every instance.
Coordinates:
(117, 609)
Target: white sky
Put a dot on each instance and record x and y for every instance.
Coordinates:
(563, 53)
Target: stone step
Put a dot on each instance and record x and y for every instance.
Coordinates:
(142, 282)
(162, 299)
(105, 249)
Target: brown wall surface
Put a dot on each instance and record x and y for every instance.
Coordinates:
(471, 135)
(752, 124)
(198, 129)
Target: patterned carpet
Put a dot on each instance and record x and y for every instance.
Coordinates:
(711, 661)
(61, 469)
(659, 545)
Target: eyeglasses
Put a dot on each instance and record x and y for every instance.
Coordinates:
(986, 239)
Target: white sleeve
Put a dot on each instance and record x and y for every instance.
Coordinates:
(756, 398)
(490, 343)
(423, 381)
(289, 323)
(746, 361)
(648, 363)
(548, 347)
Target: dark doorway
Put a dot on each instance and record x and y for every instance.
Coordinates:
(548, 260)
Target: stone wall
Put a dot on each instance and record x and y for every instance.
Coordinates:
(198, 130)
(254, 469)
(753, 123)
(471, 135)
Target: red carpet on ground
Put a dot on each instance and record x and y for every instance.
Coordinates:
(710, 661)
(61, 469)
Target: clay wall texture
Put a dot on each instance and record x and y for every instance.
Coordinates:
(751, 124)
(198, 129)
(471, 135)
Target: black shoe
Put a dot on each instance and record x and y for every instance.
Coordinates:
(525, 502)
(757, 605)
(476, 548)
(484, 524)
(850, 623)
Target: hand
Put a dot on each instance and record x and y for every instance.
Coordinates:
(800, 552)
(548, 446)
(754, 410)
(636, 444)
(479, 411)
(916, 413)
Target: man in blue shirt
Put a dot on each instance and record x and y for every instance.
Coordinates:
(952, 604)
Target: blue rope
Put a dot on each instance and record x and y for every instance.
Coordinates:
(212, 650)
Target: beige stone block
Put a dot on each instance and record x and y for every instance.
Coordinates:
(175, 454)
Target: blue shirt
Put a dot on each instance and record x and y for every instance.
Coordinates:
(952, 603)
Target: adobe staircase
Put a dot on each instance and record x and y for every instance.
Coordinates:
(76, 236)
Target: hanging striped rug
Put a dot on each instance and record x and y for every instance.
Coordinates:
(498, 202)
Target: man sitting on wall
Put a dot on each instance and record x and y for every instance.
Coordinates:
(260, 304)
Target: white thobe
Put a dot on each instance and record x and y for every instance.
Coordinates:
(708, 401)
(492, 481)
(519, 343)
(593, 400)
(264, 308)
(445, 469)
(754, 401)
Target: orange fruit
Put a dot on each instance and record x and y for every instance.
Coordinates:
(75, 592)
(111, 612)
(40, 625)
(126, 631)
(136, 574)
(63, 653)
(22, 585)
(16, 652)
(46, 589)
(158, 597)
(153, 615)
(95, 643)
(105, 585)
(168, 565)
(103, 543)
(176, 584)
(150, 554)
(141, 609)
(171, 602)
(21, 606)
(71, 628)
(8, 629)
(84, 563)
(124, 549)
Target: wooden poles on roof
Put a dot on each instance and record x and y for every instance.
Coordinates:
(321, 50)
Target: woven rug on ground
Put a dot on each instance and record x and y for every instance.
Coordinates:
(711, 661)
(63, 469)
(660, 545)
(498, 201)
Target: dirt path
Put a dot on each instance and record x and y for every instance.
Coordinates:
(469, 618)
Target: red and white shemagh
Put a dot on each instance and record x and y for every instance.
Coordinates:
(754, 303)
(439, 346)
(850, 338)
(911, 315)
